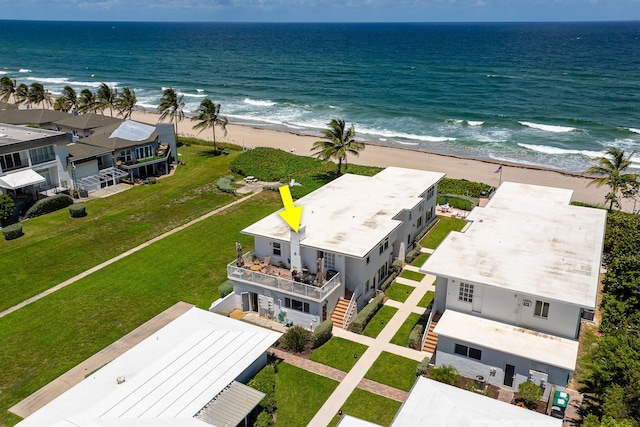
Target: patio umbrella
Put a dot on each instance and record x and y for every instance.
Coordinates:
(320, 272)
(446, 199)
(239, 260)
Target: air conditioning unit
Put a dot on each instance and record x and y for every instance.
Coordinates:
(526, 303)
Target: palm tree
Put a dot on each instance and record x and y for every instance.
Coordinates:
(126, 101)
(106, 97)
(209, 116)
(339, 143)
(171, 105)
(69, 98)
(21, 93)
(38, 94)
(61, 105)
(87, 101)
(613, 170)
(7, 88)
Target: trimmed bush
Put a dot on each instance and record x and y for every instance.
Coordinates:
(264, 419)
(150, 180)
(413, 254)
(224, 184)
(265, 381)
(271, 187)
(225, 288)
(446, 374)
(296, 338)
(7, 205)
(77, 210)
(12, 231)
(385, 285)
(415, 338)
(367, 313)
(396, 266)
(50, 204)
(529, 392)
(423, 367)
(322, 333)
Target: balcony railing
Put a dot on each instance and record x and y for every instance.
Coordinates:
(317, 293)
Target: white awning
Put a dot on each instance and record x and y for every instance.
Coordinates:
(21, 179)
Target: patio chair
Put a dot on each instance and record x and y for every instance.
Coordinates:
(266, 261)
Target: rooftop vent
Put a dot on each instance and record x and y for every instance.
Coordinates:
(120, 380)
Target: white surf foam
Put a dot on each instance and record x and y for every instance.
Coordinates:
(634, 130)
(545, 149)
(259, 102)
(199, 90)
(474, 123)
(389, 134)
(25, 70)
(548, 128)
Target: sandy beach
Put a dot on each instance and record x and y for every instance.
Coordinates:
(378, 155)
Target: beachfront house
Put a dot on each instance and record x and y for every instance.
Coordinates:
(32, 163)
(513, 286)
(351, 231)
(83, 125)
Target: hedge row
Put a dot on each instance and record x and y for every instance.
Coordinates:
(224, 184)
(415, 338)
(322, 333)
(385, 285)
(367, 313)
(12, 231)
(225, 288)
(265, 381)
(413, 254)
(458, 202)
(77, 210)
(50, 204)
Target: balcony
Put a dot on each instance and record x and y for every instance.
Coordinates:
(273, 279)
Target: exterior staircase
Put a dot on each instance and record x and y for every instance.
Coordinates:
(337, 316)
(432, 338)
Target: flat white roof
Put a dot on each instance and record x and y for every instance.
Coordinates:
(352, 214)
(168, 378)
(14, 134)
(21, 179)
(431, 403)
(528, 239)
(532, 345)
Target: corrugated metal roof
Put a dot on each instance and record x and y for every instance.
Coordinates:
(231, 405)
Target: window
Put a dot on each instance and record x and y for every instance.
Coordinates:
(386, 244)
(470, 352)
(419, 222)
(430, 192)
(144, 152)
(329, 261)
(542, 309)
(466, 292)
(381, 249)
(366, 286)
(276, 249)
(368, 259)
(42, 154)
(295, 304)
(126, 155)
(10, 161)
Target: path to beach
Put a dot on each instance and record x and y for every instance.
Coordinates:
(378, 155)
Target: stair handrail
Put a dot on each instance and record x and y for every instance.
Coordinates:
(349, 312)
(427, 326)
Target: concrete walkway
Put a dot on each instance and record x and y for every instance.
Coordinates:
(121, 256)
(355, 377)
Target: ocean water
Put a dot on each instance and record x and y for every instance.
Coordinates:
(548, 94)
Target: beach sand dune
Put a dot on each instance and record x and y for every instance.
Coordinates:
(378, 155)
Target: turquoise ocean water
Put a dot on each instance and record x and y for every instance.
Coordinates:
(547, 94)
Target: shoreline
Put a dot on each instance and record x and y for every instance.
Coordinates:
(375, 154)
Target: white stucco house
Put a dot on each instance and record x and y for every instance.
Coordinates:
(191, 372)
(513, 286)
(351, 231)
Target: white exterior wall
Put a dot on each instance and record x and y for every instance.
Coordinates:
(505, 306)
(492, 359)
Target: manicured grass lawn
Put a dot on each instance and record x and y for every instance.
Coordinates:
(420, 259)
(395, 371)
(426, 299)
(412, 275)
(64, 246)
(379, 321)
(369, 407)
(338, 353)
(401, 337)
(441, 230)
(300, 394)
(399, 292)
(50, 336)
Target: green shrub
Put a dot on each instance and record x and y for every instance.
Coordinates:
(415, 338)
(471, 386)
(463, 187)
(413, 254)
(12, 231)
(385, 285)
(423, 367)
(458, 202)
(264, 419)
(50, 204)
(529, 392)
(77, 210)
(271, 187)
(7, 205)
(265, 381)
(367, 313)
(225, 288)
(296, 338)
(396, 266)
(150, 180)
(224, 184)
(322, 333)
(445, 374)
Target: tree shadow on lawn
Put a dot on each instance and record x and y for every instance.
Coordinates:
(211, 153)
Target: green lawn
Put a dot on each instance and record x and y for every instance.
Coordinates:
(420, 259)
(50, 336)
(67, 246)
(426, 299)
(441, 230)
(379, 321)
(392, 370)
(338, 353)
(300, 394)
(401, 337)
(412, 275)
(399, 292)
(360, 404)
